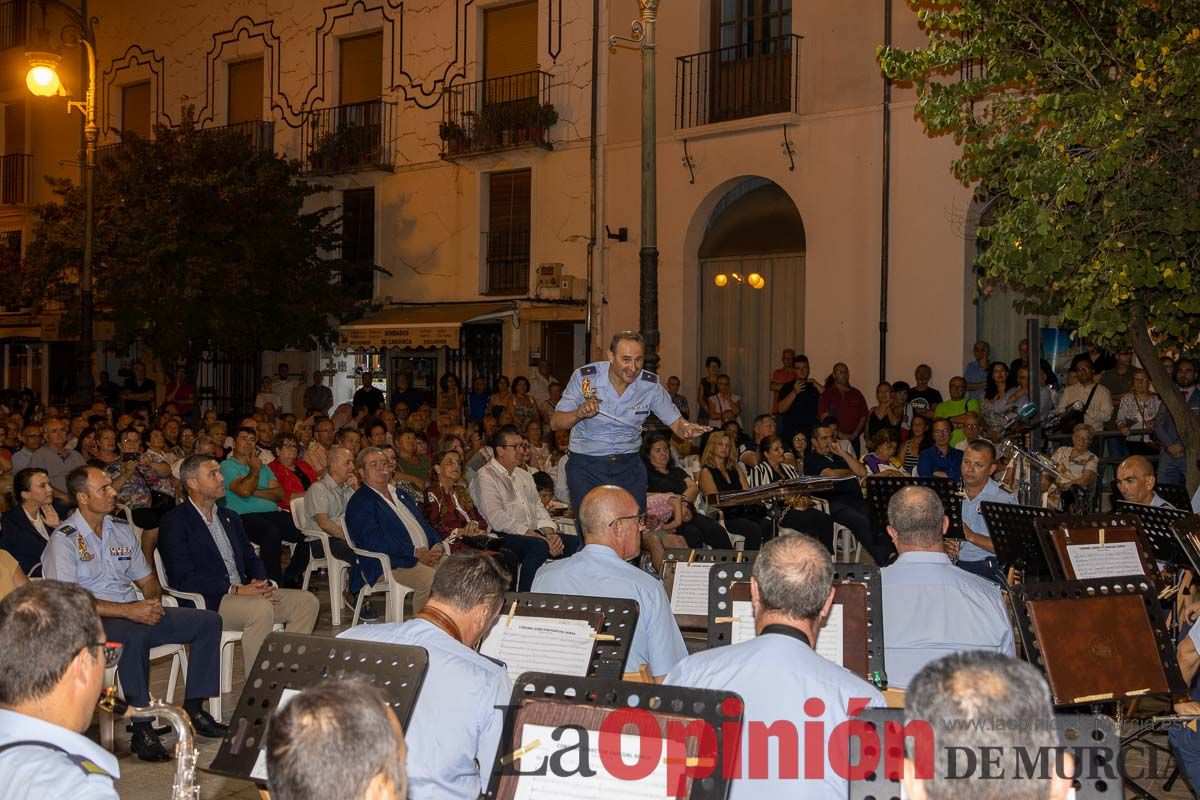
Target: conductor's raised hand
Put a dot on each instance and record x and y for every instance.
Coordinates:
(692, 429)
(589, 408)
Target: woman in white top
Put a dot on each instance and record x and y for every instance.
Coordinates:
(724, 405)
(1080, 468)
(266, 395)
(539, 451)
(1137, 412)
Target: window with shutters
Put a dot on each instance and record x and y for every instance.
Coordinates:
(135, 109)
(245, 91)
(358, 241)
(507, 239)
(510, 40)
(361, 68)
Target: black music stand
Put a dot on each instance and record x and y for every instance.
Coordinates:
(1187, 536)
(1085, 530)
(620, 622)
(1158, 523)
(581, 703)
(674, 556)
(726, 579)
(880, 489)
(1016, 539)
(293, 661)
(1090, 630)
(1091, 738)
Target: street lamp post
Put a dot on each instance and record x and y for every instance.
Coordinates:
(644, 36)
(43, 81)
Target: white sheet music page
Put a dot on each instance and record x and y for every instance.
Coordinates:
(743, 624)
(1108, 561)
(568, 784)
(830, 639)
(541, 644)
(689, 594)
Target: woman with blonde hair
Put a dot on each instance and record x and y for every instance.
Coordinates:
(721, 472)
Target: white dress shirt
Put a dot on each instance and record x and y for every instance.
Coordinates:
(416, 531)
(509, 503)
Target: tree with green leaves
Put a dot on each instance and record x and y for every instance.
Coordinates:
(204, 240)
(1079, 124)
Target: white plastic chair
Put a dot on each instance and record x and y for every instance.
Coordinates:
(335, 568)
(394, 591)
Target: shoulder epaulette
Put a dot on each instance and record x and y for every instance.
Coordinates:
(590, 369)
(65, 530)
(650, 377)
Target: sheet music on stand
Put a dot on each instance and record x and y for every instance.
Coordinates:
(685, 577)
(1077, 626)
(562, 634)
(1091, 738)
(1097, 546)
(553, 714)
(880, 489)
(1158, 522)
(291, 662)
(852, 636)
(1016, 539)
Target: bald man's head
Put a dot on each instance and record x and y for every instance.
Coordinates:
(607, 517)
(1135, 480)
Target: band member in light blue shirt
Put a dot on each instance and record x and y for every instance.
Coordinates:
(605, 405)
(456, 725)
(612, 532)
(782, 680)
(1136, 482)
(977, 554)
(931, 608)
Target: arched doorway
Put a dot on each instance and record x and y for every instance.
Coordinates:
(754, 229)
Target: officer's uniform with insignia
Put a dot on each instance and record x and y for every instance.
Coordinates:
(108, 566)
(604, 451)
(39, 759)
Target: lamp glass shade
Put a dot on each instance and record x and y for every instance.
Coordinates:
(721, 280)
(42, 80)
(756, 280)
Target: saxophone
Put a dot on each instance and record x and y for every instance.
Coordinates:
(185, 786)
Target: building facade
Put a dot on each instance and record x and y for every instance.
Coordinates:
(458, 137)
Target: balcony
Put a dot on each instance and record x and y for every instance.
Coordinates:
(15, 169)
(14, 23)
(259, 135)
(507, 256)
(738, 82)
(348, 138)
(497, 114)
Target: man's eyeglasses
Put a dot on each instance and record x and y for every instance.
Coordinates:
(647, 522)
(112, 651)
(514, 444)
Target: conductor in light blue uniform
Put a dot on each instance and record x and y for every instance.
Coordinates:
(52, 656)
(612, 533)
(780, 677)
(605, 405)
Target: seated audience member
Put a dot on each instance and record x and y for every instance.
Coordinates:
(723, 405)
(143, 482)
(778, 674)
(507, 498)
(827, 460)
(801, 516)
(930, 607)
(323, 439)
(919, 438)
(456, 724)
(294, 477)
(612, 533)
(971, 429)
(697, 529)
(11, 575)
(960, 697)
(720, 471)
(26, 527)
(539, 451)
(52, 658)
(680, 400)
(349, 438)
(31, 442)
(205, 550)
(1080, 468)
(941, 459)
(325, 509)
(1185, 742)
(545, 489)
(883, 446)
(339, 738)
(977, 554)
(377, 433)
(448, 506)
(103, 556)
(956, 408)
(764, 426)
(55, 458)
(412, 462)
(562, 454)
(253, 494)
(1136, 481)
(382, 520)
(1137, 412)
(1095, 398)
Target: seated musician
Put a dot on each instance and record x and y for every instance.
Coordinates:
(954, 692)
(931, 608)
(778, 674)
(800, 516)
(1185, 742)
(697, 529)
(977, 554)
(828, 460)
(1136, 482)
(456, 724)
(612, 530)
(720, 471)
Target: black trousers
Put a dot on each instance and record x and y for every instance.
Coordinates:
(269, 530)
(200, 630)
(704, 531)
(812, 521)
(756, 530)
(852, 513)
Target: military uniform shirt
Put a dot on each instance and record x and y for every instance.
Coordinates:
(455, 727)
(600, 436)
(972, 517)
(931, 609)
(86, 771)
(106, 567)
(597, 571)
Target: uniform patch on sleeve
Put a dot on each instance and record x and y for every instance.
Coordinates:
(65, 530)
(590, 369)
(649, 377)
(89, 767)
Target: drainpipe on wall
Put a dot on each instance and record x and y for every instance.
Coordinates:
(886, 199)
(593, 184)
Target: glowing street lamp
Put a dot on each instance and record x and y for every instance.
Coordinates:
(42, 78)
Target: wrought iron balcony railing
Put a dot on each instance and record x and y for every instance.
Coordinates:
(15, 169)
(507, 256)
(259, 134)
(349, 138)
(497, 113)
(738, 82)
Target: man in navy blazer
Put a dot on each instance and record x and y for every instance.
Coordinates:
(380, 519)
(205, 550)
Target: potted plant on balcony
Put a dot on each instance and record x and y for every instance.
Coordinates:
(453, 136)
(487, 127)
(547, 118)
